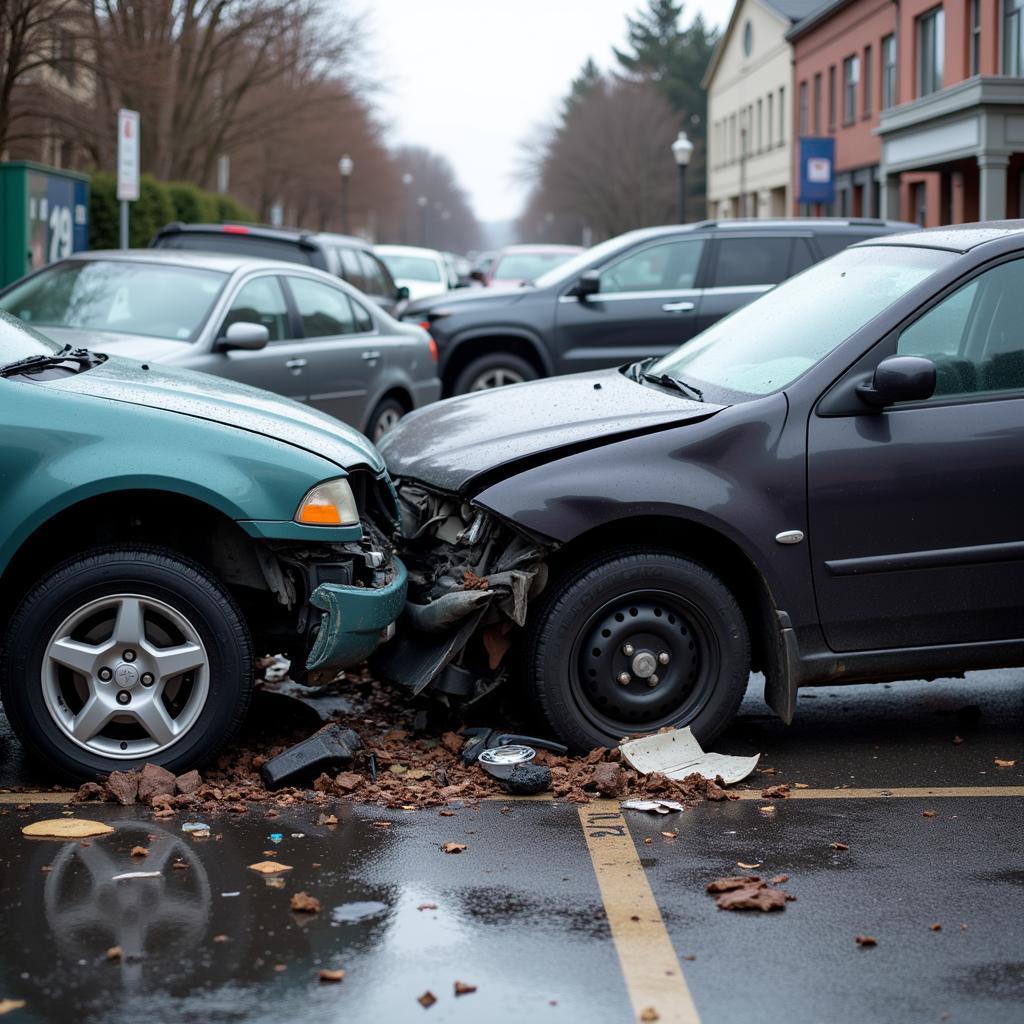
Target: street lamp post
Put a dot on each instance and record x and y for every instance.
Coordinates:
(682, 150)
(345, 166)
(423, 202)
(406, 182)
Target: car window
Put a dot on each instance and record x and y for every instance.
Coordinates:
(803, 257)
(260, 302)
(831, 244)
(670, 266)
(323, 311)
(120, 296)
(373, 274)
(413, 268)
(975, 336)
(246, 245)
(351, 268)
(364, 322)
(751, 261)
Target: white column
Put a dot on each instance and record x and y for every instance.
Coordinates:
(889, 196)
(992, 202)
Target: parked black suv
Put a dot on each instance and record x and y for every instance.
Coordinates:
(351, 259)
(637, 295)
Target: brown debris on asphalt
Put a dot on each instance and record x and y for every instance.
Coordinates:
(140, 851)
(332, 976)
(427, 999)
(462, 988)
(865, 941)
(608, 779)
(936, 927)
(780, 792)
(188, 783)
(115, 953)
(303, 903)
(155, 781)
(747, 892)
(454, 847)
(649, 1013)
(122, 787)
(929, 814)
(470, 581)
(838, 846)
(1001, 762)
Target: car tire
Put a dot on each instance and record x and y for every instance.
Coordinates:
(386, 413)
(609, 618)
(145, 634)
(492, 371)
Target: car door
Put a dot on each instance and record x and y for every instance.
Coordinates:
(277, 366)
(647, 304)
(744, 265)
(380, 288)
(916, 531)
(342, 350)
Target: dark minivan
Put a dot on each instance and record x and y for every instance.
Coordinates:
(637, 295)
(349, 258)
(825, 487)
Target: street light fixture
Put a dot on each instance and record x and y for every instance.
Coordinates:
(682, 150)
(423, 202)
(345, 167)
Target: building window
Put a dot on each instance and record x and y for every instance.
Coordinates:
(748, 38)
(760, 125)
(919, 198)
(782, 115)
(975, 37)
(930, 46)
(803, 108)
(888, 72)
(732, 137)
(1013, 38)
(64, 54)
(868, 98)
(832, 98)
(851, 79)
(770, 120)
(817, 103)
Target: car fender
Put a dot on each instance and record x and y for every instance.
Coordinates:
(499, 330)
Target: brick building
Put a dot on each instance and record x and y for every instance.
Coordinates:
(925, 101)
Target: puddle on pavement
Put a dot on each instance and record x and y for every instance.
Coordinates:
(352, 913)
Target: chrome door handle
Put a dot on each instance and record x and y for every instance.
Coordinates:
(678, 307)
(295, 365)
(371, 355)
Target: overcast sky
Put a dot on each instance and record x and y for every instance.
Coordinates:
(470, 78)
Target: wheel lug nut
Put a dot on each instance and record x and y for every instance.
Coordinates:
(128, 655)
(652, 681)
(123, 697)
(664, 657)
(628, 649)
(147, 678)
(105, 674)
(625, 678)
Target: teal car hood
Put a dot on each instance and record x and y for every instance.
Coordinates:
(223, 401)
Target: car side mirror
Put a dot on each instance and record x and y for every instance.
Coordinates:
(479, 276)
(588, 284)
(241, 335)
(402, 294)
(899, 379)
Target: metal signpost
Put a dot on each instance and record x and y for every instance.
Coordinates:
(127, 165)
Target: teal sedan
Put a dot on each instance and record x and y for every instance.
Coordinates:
(159, 529)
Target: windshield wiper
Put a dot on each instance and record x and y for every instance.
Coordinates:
(635, 371)
(675, 383)
(33, 364)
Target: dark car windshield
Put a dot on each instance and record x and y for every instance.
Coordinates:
(118, 295)
(767, 344)
(19, 342)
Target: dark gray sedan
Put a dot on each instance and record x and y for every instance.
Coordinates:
(275, 325)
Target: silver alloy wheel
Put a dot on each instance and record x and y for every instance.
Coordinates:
(385, 421)
(497, 377)
(118, 692)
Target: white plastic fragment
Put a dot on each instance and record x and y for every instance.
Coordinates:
(656, 806)
(195, 826)
(678, 754)
(135, 874)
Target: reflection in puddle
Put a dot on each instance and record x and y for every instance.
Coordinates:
(350, 913)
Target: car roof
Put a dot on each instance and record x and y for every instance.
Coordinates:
(225, 262)
(407, 250)
(957, 237)
(539, 248)
(297, 235)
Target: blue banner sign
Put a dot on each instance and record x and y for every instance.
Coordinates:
(817, 170)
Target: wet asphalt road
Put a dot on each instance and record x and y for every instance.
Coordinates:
(566, 913)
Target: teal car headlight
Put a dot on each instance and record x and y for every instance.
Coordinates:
(330, 503)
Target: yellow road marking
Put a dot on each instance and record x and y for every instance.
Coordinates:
(35, 798)
(648, 961)
(903, 791)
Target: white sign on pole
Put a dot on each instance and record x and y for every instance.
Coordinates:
(128, 155)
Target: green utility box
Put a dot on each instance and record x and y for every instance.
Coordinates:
(44, 216)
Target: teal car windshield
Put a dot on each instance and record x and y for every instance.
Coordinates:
(766, 345)
(120, 296)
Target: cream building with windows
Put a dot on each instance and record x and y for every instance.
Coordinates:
(749, 129)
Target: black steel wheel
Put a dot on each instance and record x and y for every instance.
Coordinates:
(632, 642)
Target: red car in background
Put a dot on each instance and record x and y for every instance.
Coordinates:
(522, 264)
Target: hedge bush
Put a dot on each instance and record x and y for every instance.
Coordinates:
(159, 203)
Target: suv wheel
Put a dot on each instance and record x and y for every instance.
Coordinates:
(384, 416)
(632, 642)
(493, 371)
(126, 655)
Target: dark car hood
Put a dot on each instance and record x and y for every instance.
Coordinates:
(449, 443)
(237, 406)
(464, 299)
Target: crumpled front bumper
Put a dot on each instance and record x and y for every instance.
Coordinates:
(354, 619)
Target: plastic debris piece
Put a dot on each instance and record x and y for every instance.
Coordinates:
(195, 826)
(327, 747)
(352, 913)
(66, 828)
(1001, 762)
(528, 779)
(652, 806)
(269, 867)
(226, 894)
(276, 837)
(453, 847)
(135, 874)
(678, 754)
(9, 1005)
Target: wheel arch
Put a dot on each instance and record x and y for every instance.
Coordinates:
(468, 347)
(399, 392)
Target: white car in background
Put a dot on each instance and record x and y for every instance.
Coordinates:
(423, 271)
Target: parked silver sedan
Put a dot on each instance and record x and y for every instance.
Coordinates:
(295, 330)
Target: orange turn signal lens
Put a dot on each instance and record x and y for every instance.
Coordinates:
(330, 503)
(320, 515)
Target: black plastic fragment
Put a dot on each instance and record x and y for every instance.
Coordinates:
(527, 779)
(328, 747)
